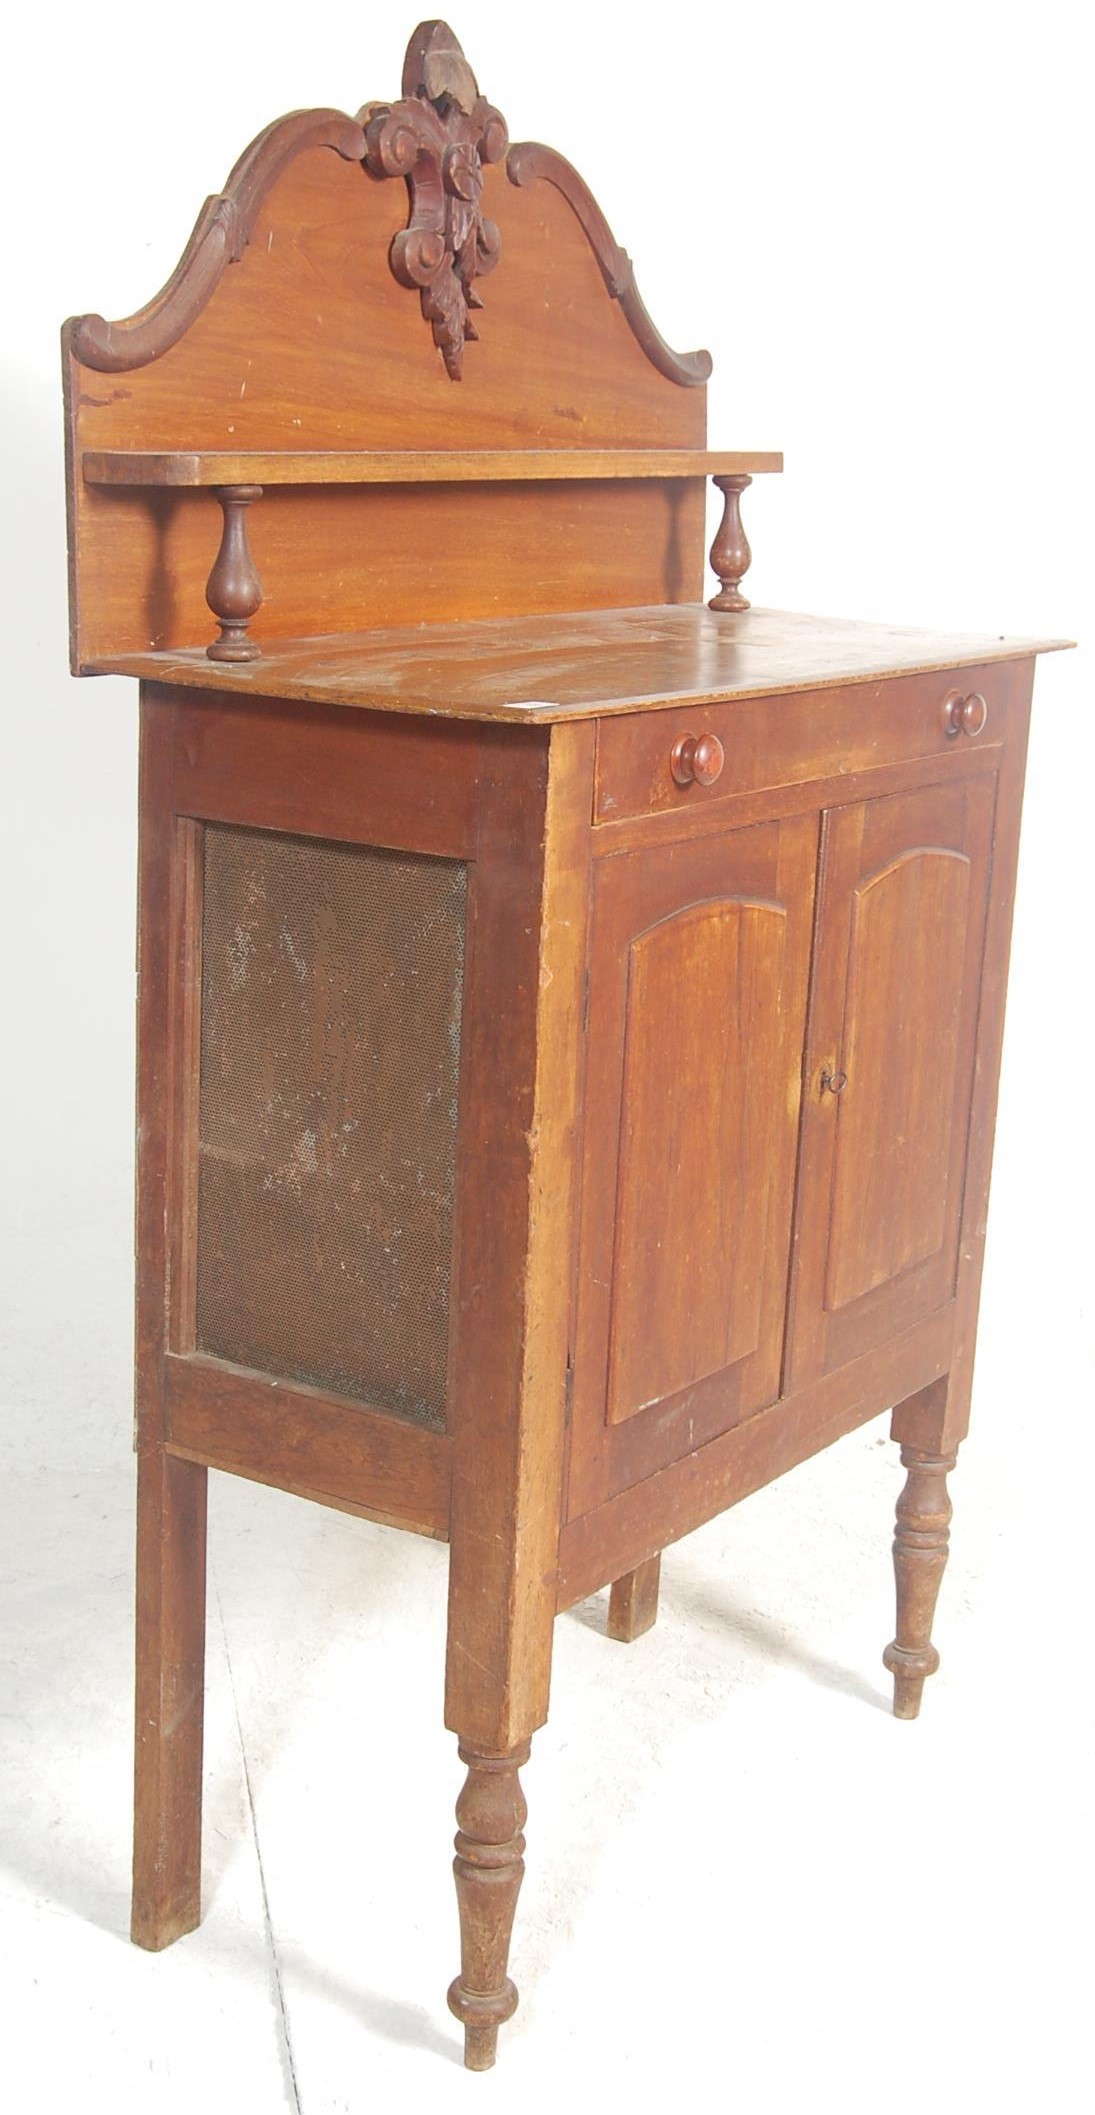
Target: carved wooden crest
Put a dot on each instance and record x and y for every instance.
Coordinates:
(438, 137)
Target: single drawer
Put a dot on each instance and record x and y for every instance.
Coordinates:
(660, 762)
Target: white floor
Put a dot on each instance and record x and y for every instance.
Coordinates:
(747, 1883)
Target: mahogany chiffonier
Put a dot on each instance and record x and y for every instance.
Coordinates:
(569, 1013)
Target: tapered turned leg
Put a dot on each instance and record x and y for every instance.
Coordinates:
(919, 1561)
(633, 1602)
(489, 1868)
(171, 1509)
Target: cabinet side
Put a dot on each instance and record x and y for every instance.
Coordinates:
(938, 1418)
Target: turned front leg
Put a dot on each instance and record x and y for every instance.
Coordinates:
(919, 1560)
(171, 1512)
(489, 1868)
(633, 1602)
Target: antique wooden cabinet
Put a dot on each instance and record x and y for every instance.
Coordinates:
(569, 1014)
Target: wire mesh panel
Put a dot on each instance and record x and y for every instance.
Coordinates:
(332, 983)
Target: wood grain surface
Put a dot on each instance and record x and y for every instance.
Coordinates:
(699, 966)
(300, 1439)
(410, 466)
(597, 1548)
(308, 343)
(902, 894)
(739, 889)
(585, 664)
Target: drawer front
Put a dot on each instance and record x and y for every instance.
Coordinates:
(667, 762)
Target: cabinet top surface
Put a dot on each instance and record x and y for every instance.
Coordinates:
(530, 670)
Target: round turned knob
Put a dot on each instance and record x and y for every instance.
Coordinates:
(697, 758)
(952, 713)
(964, 715)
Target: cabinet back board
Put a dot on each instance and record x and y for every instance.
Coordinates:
(304, 340)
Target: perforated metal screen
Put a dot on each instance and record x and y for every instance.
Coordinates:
(332, 982)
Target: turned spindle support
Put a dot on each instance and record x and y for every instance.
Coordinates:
(633, 1602)
(234, 590)
(919, 1560)
(730, 553)
(489, 1868)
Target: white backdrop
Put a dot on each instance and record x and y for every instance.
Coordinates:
(879, 222)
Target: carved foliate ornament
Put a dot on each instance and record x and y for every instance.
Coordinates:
(438, 138)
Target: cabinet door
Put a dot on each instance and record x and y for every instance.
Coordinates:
(698, 980)
(889, 1069)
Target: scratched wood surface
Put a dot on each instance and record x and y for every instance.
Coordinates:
(579, 666)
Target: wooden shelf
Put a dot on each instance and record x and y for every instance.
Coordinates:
(407, 466)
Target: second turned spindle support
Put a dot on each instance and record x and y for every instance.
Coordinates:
(921, 1540)
(234, 590)
(730, 553)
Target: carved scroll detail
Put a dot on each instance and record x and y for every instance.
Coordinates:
(221, 234)
(528, 162)
(438, 137)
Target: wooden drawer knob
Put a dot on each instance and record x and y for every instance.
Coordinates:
(964, 715)
(698, 758)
